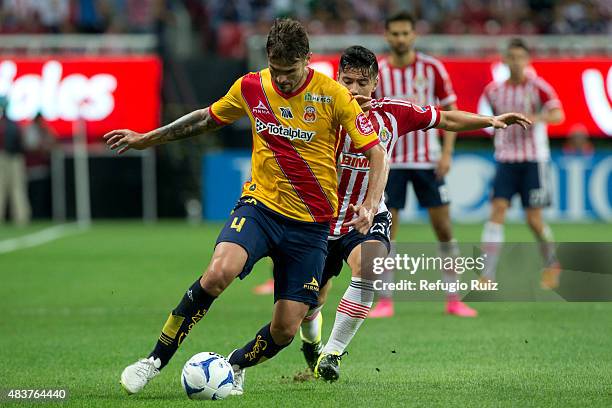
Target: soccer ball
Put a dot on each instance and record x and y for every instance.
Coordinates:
(207, 376)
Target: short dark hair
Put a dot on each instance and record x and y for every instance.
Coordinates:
(401, 16)
(517, 43)
(287, 41)
(360, 58)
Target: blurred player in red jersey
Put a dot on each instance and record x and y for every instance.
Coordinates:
(418, 158)
(286, 206)
(522, 157)
(392, 119)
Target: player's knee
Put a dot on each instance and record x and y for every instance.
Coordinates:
(535, 223)
(283, 333)
(220, 273)
(356, 268)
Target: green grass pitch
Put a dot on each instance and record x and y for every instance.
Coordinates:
(75, 311)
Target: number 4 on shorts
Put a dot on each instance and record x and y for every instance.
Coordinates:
(238, 223)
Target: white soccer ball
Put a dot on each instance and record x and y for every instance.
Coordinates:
(207, 376)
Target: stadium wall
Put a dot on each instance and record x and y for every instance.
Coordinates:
(581, 186)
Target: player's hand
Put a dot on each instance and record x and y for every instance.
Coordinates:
(364, 101)
(507, 119)
(364, 219)
(126, 139)
(443, 166)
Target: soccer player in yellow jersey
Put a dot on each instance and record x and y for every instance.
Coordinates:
(286, 206)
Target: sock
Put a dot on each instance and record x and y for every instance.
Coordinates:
(547, 245)
(310, 330)
(191, 309)
(387, 276)
(449, 249)
(492, 240)
(258, 350)
(352, 311)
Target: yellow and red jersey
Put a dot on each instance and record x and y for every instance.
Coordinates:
(295, 138)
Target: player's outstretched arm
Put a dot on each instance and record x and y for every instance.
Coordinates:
(460, 121)
(192, 124)
(379, 169)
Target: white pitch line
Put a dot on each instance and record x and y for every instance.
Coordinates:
(39, 237)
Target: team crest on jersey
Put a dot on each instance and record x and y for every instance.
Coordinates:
(310, 113)
(261, 108)
(363, 124)
(286, 113)
(384, 135)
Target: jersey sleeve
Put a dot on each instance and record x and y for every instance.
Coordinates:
(548, 96)
(357, 125)
(443, 87)
(412, 117)
(230, 107)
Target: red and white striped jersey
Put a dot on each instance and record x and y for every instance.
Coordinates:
(391, 119)
(424, 82)
(534, 95)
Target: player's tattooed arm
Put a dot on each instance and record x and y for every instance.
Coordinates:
(192, 124)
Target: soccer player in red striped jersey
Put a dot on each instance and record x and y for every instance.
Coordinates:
(418, 158)
(392, 119)
(522, 157)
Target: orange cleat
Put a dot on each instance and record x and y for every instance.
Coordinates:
(550, 276)
(384, 308)
(266, 288)
(458, 308)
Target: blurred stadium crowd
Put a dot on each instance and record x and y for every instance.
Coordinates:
(323, 16)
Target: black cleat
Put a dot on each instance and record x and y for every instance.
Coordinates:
(328, 367)
(311, 352)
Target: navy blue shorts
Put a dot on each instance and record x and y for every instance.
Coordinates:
(298, 249)
(430, 191)
(338, 250)
(529, 179)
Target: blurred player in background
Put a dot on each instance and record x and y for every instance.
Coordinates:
(285, 208)
(522, 157)
(13, 174)
(392, 119)
(418, 158)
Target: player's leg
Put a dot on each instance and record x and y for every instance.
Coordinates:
(312, 325)
(269, 340)
(395, 192)
(352, 310)
(240, 244)
(432, 193)
(534, 196)
(505, 185)
(359, 251)
(298, 266)
(493, 237)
